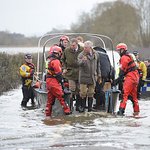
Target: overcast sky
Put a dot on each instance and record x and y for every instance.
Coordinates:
(36, 17)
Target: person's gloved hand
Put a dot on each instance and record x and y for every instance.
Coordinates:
(119, 79)
(115, 82)
(142, 83)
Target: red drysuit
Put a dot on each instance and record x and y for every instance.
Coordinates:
(54, 88)
(131, 80)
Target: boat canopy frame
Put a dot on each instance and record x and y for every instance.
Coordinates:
(53, 36)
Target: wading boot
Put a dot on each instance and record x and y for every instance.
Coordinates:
(90, 102)
(78, 102)
(136, 114)
(82, 106)
(32, 103)
(24, 103)
(66, 110)
(97, 97)
(120, 112)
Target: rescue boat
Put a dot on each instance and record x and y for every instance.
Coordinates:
(145, 90)
(105, 42)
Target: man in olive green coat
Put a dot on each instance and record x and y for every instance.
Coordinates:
(89, 73)
(71, 69)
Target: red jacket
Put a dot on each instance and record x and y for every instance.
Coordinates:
(54, 67)
(128, 66)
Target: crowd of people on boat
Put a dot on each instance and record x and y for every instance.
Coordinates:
(87, 71)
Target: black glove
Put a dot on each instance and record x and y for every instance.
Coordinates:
(121, 74)
(60, 80)
(116, 81)
(119, 79)
(141, 83)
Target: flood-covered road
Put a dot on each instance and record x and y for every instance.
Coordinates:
(25, 130)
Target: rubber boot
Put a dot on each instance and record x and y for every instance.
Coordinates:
(83, 104)
(71, 105)
(48, 110)
(120, 112)
(102, 100)
(97, 105)
(66, 109)
(64, 106)
(78, 102)
(32, 103)
(24, 103)
(90, 102)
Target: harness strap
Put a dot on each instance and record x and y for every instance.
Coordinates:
(131, 62)
(50, 76)
(131, 69)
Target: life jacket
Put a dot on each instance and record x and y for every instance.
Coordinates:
(50, 70)
(140, 70)
(31, 65)
(132, 65)
(25, 73)
(25, 70)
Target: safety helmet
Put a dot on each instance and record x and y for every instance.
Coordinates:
(56, 50)
(51, 49)
(135, 53)
(28, 56)
(64, 37)
(121, 46)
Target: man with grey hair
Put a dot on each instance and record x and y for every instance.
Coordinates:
(89, 73)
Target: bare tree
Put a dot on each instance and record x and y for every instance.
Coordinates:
(143, 7)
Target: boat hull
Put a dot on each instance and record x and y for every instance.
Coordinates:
(145, 90)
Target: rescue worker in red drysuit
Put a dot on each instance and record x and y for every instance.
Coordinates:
(128, 71)
(63, 42)
(54, 82)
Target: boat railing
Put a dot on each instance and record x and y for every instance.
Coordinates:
(58, 35)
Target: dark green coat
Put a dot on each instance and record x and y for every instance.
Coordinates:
(70, 62)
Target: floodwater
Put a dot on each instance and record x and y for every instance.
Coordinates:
(16, 50)
(26, 130)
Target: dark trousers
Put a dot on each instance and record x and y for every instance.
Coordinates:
(140, 85)
(28, 93)
(99, 94)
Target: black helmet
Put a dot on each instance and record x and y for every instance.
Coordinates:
(28, 56)
(135, 53)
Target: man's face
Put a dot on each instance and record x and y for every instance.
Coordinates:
(137, 56)
(28, 60)
(146, 63)
(74, 45)
(65, 43)
(87, 49)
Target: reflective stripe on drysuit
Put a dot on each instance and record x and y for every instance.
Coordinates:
(53, 87)
(130, 81)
